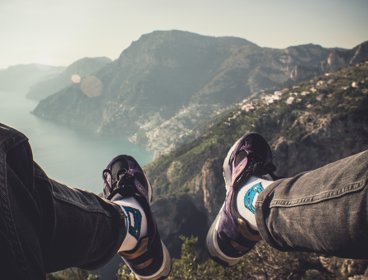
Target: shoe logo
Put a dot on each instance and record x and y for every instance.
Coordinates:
(250, 195)
(135, 220)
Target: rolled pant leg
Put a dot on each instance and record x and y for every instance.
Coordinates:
(324, 210)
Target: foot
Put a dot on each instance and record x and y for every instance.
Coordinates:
(231, 235)
(124, 180)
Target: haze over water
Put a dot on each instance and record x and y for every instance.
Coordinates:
(71, 157)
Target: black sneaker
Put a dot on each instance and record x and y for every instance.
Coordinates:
(229, 237)
(123, 177)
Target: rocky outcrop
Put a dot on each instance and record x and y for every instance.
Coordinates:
(307, 126)
(185, 214)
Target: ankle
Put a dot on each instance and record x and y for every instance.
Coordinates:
(246, 199)
(136, 222)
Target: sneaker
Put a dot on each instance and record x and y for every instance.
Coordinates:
(123, 177)
(229, 237)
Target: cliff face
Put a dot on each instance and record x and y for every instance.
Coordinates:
(307, 126)
(168, 86)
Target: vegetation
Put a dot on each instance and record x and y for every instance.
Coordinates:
(307, 125)
(262, 262)
(292, 114)
(72, 274)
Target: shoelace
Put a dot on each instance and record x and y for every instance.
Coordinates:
(243, 158)
(122, 183)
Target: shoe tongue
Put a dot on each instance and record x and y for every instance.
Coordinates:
(239, 170)
(117, 168)
(240, 162)
(259, 146)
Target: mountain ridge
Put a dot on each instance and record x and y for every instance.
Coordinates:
(78, 69)
(168, 83)
(21, 77)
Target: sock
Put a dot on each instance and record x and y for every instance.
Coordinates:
(247, 197)
(136, 222)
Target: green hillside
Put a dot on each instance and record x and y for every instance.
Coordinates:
(307, 126)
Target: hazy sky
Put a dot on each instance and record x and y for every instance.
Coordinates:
(60, 32)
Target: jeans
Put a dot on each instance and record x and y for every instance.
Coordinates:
(44, 225)
(324, 210)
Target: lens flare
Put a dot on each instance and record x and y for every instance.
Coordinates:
(91, 86)
(75, 78)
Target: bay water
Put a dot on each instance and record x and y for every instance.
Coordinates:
(72, 157)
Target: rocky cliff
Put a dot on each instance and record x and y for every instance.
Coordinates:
(168, 86)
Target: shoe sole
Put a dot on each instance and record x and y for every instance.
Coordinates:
(214, 249)
(164, 270)
(149, 191)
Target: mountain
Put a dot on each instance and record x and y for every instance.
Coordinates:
(21, 77)
(77, 70)
(168, 86)
(307, 125)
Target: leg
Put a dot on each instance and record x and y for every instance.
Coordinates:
(325, 210)
(20, 252)
(44, 225)
(80, 228)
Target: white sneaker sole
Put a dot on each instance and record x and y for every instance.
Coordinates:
(213, 247)
(164, 270)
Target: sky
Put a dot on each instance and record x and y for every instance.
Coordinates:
(63, 31)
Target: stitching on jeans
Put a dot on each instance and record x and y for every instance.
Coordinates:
(331, 194)
(60, 197)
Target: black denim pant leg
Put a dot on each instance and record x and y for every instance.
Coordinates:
(324, 210)
(44, 225)
(83, 230)
(20, 248)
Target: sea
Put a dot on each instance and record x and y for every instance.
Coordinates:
(74, 158)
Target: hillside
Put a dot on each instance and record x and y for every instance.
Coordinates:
(169, 85)
(19, 78)
(307, 126)
(77, 70)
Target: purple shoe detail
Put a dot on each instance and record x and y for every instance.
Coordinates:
(229, 237)
(123, 177)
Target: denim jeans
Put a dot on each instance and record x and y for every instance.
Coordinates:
(324, 210)
(44, 225)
